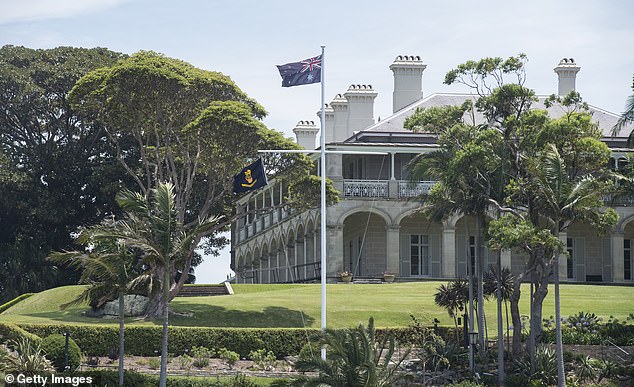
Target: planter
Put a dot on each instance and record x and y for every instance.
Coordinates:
(346, 278)
(389, 277)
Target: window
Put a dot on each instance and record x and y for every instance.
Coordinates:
(570, 263)
(419, 255)
(627, 259)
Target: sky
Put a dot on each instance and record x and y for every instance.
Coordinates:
(246, 39)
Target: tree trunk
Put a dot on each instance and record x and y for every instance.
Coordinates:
(536, 312)
(166, 286)
(500, 323)
(516, 317)
(561, 377)
(480, 294)
(121, 334)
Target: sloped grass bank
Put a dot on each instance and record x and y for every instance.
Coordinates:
(298, 306)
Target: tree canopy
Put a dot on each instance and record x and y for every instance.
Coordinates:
(56, 173)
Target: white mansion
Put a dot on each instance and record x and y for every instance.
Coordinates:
(375, 228)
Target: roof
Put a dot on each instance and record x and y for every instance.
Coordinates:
(394, 123)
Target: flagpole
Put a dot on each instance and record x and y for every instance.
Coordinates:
(323, 198)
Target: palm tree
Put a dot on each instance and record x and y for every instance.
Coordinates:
(354, 357)
(108, 268)
(564, 197)
(626, 118)
(500, 283)
(152, 225)
(453, 297)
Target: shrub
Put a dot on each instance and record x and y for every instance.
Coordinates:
(27, 359)
(54, 348)
(12, 332)
(154, 363)
(200, 357)
(545, 370)
(264, 360)
(184, 362)
(229, 357)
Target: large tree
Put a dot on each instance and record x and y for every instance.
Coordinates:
(57, 173)
(192, 128)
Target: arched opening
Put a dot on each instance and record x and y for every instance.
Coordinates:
(420, 245)
(364, 238)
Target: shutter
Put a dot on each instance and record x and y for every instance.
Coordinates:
(435, 251)
(580, 258)
(405, 255)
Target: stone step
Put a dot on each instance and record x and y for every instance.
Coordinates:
(206, 290)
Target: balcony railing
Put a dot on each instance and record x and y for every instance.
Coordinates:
(408, 189)
(365, 188)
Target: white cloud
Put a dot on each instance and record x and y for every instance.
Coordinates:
(12, 11)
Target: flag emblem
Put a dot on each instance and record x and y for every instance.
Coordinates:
(250, 178)
(303, 72)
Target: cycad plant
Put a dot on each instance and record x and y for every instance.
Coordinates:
(354, 357)
(27, 358)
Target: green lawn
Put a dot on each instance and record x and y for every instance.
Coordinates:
(299, 306)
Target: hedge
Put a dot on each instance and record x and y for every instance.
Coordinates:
(19, 298)
(103, 340)
(12, 332)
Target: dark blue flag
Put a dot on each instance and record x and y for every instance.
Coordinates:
(301, 73)
(250, 178)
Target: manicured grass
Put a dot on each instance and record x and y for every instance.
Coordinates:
(299, 306)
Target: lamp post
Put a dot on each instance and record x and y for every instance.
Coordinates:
(473, 340)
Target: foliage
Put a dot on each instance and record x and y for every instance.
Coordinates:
(453, 297)
(54, 348)
(627, 117)
(57, 172)
(12, 332)
(154, 363)
(229, 357)
(194, 129)
(545, 367)
(200, 356)
(586, 369)
(28, 358)
(19, 298)
(264, 360)
(184, 362)
(354, 357)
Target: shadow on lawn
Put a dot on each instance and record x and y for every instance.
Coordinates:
(216, 316)
(198, 315)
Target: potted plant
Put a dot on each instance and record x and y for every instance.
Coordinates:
(389, 277)
(345, 276)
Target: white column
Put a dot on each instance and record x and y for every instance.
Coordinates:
(618, 256)
(448, 252)
(334, 244)
(392, 177)
(505, 258)
(563, 258)
(393, 248)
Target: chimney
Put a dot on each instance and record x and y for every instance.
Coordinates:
(329, 125)
(306, 131)
(360, 107)
(567, 73)
(339, 107)
(408, 81)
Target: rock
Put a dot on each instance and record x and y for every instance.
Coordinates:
(134, 305)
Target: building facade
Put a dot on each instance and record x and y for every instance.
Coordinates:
(376, 227)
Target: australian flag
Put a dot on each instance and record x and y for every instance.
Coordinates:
(301, 73)
(250, 178)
